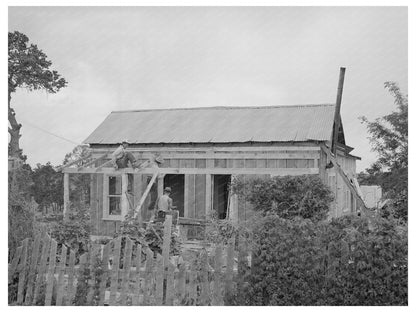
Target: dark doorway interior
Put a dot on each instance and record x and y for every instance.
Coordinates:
(220, 195)
(177, 183)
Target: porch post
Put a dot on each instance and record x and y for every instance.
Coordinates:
(208, 194)
(124, 199)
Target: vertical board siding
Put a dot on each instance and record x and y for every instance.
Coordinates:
(93, 205)
(100, 194)
(200, 195)
(220, 163)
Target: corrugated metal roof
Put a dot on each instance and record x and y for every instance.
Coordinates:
(217, 125)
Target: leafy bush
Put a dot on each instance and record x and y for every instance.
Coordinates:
(288, 197)
(345, 261)
(74, 232)
(151, 236)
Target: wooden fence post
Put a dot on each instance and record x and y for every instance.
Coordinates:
(42, 269)
(104, 275)
(71, 272)
(205, 289)
(230, 269)
(51, 271)
(115, 271)
(217, 296)
(167, 233)
(33, 269)
(126, 270)
(148, 283)
(137, 287)
(60, 288)
(159, 280)
(23, 268)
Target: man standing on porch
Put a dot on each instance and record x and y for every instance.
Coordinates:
(165, 203)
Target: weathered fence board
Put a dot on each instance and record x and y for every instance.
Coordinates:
(115, 274)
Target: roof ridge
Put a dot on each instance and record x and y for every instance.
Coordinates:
(222, 107)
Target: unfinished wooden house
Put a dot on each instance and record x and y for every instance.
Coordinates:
(204, 148)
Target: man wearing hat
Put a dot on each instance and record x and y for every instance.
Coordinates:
(120, 157)
(165, 203)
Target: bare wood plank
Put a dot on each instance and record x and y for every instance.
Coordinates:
(208, 194)
(93, 257)
(71, 273)
(230, 268)
(23, 268)
(33, 269)
(73, 162)
(159, 280)
(104, 276)
(343, 176)
(93, 161)
(83, 260)
(181, 290)
(146, 192)
(137, 285)
(192, 294)
(170, 290)
(200, 197)
(15, 261)
(126, 271)
(238, 170)
(167, 232)
(217, 297)
(148, 277)
(61, 285)
(46, 242)
(215, 149)
(51, 272)
(205, 289)
(115, 270)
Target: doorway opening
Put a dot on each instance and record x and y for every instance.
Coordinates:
(177, 183)
(221, 195)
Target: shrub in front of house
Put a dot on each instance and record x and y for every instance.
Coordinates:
(345, 261)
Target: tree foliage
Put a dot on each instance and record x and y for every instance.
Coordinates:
(29, 68)
(287, 196)
(48, 186)
(339, 262)
(389, 138)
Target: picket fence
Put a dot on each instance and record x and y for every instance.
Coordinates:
(123, 273)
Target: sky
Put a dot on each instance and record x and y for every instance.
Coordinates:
(123, 58)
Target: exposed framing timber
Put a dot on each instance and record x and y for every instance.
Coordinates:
(92, 161)
(273, 171)
(342, 174)
(260, 148)
(146, 192)
(74, 162)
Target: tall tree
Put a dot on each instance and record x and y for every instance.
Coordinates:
(28, 68)
(389, 138)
